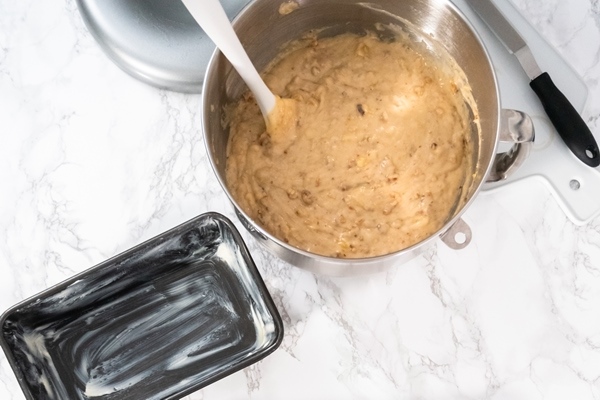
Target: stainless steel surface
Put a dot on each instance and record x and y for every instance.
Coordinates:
(263, 30)
(516, 128)
(458, 236)
(498, 24)
(527, 61)
(507, 34)
(155, 41)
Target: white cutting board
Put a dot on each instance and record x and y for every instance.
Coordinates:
(550, 161)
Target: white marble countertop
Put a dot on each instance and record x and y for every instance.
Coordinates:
(93, 162)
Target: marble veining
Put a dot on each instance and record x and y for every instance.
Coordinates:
(93, 162)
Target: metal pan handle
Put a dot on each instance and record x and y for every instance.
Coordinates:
(458, 236)
(515, 127)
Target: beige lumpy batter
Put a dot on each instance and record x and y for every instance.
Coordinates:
(376, 152)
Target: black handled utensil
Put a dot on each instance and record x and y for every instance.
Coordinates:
(567, 121)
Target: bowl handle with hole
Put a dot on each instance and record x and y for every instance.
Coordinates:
(515, 127)
(452, 236)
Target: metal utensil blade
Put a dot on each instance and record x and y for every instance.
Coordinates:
(566, 119)
(507, 34)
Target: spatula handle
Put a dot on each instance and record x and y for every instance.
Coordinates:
(212, 18)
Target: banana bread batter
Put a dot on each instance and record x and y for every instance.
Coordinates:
(377, 154)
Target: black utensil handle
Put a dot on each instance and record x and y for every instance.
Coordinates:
(567, 121)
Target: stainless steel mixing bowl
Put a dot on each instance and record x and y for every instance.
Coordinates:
(263, 30)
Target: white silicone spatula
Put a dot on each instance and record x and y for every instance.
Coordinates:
(211, 17)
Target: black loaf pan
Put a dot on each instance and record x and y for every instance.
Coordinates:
(158, 321)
